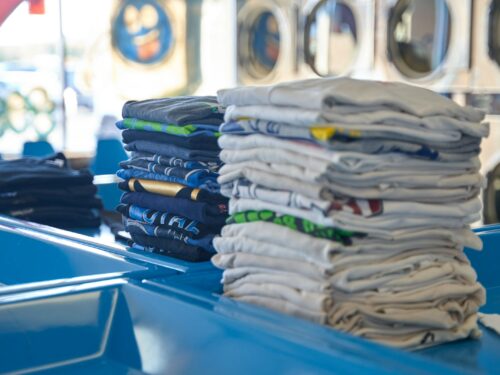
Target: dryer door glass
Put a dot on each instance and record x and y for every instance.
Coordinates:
(330, 38)
(494, 31)
(259, 44)
(418, 36)
(491, 197)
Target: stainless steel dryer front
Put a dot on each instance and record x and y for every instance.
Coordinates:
(266, 43)
(485, 75)
(336, 38)
(424, 42)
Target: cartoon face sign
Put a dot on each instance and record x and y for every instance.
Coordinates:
(142, 32)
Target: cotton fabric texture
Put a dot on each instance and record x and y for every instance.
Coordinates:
(350, 205)
(171, 203)
(48, 191)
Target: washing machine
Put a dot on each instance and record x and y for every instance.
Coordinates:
(337, 38)
(485, 83)
(155, 47)
(491, 193)
(424, 42)
(266, 41)
(485, 75)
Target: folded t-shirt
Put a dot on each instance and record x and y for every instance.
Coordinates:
(180, 110)
(171, 189)
(34, 172)
(195, 141)
(172, 248)
(167, 220)
(171, 150)
(207, 213)
(59, 216)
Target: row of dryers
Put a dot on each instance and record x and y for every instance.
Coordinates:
(446, 45)
(169, 47)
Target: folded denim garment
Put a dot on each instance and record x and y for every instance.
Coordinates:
(50, 193)
(48, 173)
(59, 216)
(172, 248)
(171, 189)
(170, 150)
(195, 178)
(188, 227)
(137, 227)
(208, 184)
(35, 201)
(181, 110)
(206, 213)
(194, 174)
(176, 162)
(195, 141)
(178, 130)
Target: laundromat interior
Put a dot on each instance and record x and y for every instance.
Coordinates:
(250, 186)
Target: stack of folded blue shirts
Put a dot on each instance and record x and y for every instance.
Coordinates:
(172, 204)
(48, 191)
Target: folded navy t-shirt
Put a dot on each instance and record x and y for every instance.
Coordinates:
(51, 172)
(195, 141)
(213, 214)
(172, 248)
(180, 110)
(171, 150)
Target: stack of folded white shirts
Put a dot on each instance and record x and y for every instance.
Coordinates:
(350, 205)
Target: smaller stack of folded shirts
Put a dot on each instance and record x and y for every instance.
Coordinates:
(47, 191)
(172, 204)
(351, 203)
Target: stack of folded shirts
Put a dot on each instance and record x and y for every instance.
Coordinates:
(47, 191)
(350, 205)
(172, 204)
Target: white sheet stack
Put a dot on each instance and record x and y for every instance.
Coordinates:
(351, 204)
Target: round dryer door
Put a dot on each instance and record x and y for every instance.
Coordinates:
(259, 42)
(331, 37)
(491, 197)
(418, 36)
(494, 31)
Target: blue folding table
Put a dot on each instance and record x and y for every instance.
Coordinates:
(71, 304)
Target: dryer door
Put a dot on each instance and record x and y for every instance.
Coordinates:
(331, 37)
(491, 197)
(494, 32)
(418, 36)
(264, 43)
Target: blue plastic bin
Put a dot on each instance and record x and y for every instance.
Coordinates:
(179, 323)
(38, 149)
(29, 257)
(120, 327)
(101, 239)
